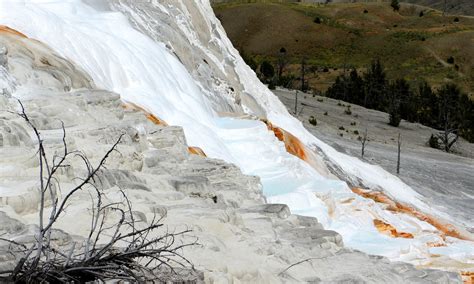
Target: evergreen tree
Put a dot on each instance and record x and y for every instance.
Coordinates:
(267, 70)
(375, 82)
(408, 101)
(356, 87)
(338, 89)
(466, 115)
(394, 103)
(428, 109)
(448, 109)
(395, 5)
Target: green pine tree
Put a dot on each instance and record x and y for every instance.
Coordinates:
(267, 70)
(375, 81)
(395, 5)
(394, 102)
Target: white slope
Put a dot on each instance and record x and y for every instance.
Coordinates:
(144, 72)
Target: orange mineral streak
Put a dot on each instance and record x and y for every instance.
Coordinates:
(292, 144)
(436, 244)
(150, 116)
(155, 119)
(445, 228)
(295, 147)
(5, 29)
(467, 277)
(390, 230)
(196, 151)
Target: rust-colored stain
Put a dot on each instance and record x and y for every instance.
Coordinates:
(8, 30)
(390, 230)
(349, 200)
(292, 144)
(156, 120)
(196, 151)
(295, 147)
(153, 118)
(376, 196)
(436, 244)
(446, 229)
(467, 277)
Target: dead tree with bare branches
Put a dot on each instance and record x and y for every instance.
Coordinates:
(113, 250)
(399, 143)
(363, 141)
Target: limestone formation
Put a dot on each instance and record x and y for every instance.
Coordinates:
(242, 239)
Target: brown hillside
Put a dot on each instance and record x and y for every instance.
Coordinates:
(352, 35)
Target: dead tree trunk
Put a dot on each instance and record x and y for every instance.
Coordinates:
(303, 73)
(296, 102)
(363, 141)
(449, 136)
(282, 63)
(399, 151)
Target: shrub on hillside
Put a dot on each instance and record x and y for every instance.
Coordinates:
(395, 5)
(394, 119)
(450, 60)
(267, 70)
(248, 59)
(348, 110)
(272, 85)
(286, 81)
(433, 142)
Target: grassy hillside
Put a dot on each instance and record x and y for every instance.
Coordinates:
(465, 7)
(352, 35)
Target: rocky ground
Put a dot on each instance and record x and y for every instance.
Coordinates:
(444, 178)
(242, 239)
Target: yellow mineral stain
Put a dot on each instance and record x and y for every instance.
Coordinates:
(467, 277)
(8, 30)
(196, 151)
(153, 118)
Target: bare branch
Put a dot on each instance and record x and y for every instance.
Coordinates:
(135, 261)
